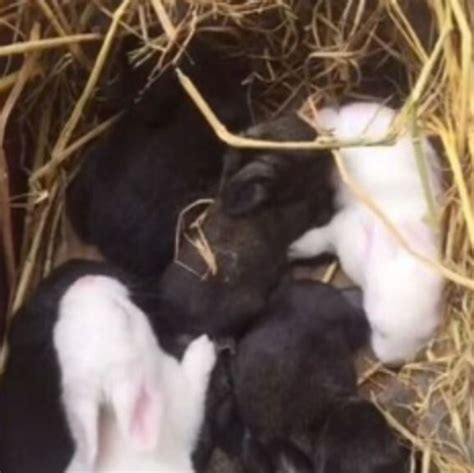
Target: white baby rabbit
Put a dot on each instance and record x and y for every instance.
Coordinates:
(129, 405)
(401, 294)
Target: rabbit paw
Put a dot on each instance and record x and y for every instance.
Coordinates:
(300, 249)
(311, 244)
(296, 251)
(200, 357)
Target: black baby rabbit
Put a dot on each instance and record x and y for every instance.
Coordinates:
(294, 398)
(291, 368)
(266, 199)
(160, 156)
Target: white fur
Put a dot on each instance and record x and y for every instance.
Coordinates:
(130, 406)
(401, 295)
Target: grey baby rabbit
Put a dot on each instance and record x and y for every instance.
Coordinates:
(292, 373)
(266, 199)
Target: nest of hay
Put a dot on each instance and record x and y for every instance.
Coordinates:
(55, 55)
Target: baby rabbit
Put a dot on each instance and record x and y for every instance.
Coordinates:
(34, 436)
(290, 369)
(129, 405)
(401, 295)
(159, 157)
(264, 203)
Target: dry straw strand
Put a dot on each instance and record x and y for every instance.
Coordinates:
(235, 140)
(449, 141)
(8, 81)
(321, 52)
(5, 216)
(373, 207)
(414, 98)
(466, 72)
(165, 21)
(60, 29)
(88, 137)
(23, 47)
(244, 142)
(31, 259)
(70, 125)
(423, 171)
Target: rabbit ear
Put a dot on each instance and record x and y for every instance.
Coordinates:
(133, 390)
(249, 188)
(138, 406)
(232, 163)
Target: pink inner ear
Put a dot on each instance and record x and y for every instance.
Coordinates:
(145, 419)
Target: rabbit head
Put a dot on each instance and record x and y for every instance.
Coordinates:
(255, 179)
(266, 199)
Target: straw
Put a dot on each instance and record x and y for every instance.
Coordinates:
(42, 44)
(299, 51)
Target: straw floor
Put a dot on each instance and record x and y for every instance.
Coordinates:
(56, 55)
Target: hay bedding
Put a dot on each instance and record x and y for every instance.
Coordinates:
(415, 54)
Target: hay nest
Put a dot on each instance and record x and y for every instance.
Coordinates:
(56, 54)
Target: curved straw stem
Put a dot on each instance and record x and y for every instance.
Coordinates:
(70, 126)
(324, 143)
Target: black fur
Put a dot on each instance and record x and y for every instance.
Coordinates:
(354, 296)
(357, 439)
(292, 367)
(254, 457)
(289, 458)
(248, 236)
(222, 427)
(160, 156)
(253, 179)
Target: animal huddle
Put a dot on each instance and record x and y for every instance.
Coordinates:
(149, 362)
